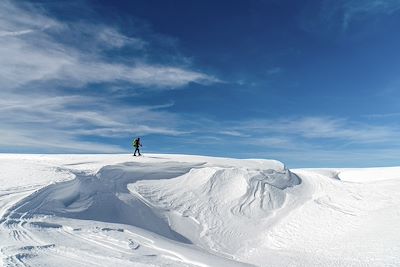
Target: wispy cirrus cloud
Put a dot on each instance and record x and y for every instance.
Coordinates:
(112, 38)
(331, 16)
(359, 9)
(232, 133)
(47, 71)
(383, 115)
(36, 48)
(308, 141)
(60, 112)
(50, 141)
(324, 128)
(312, 132)
(290, 136)
(371, 7)
(55, 122)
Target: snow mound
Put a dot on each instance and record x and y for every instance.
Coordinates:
(213, 203)
(103, 197)
(216, 206)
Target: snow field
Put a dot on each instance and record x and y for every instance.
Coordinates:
(177, 210)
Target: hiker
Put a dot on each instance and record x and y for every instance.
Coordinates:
(136, 145)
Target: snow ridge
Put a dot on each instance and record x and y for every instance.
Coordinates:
(176, 210)
(218, 203)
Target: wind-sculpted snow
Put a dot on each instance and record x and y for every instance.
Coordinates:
(104, 197)
(221, 205)
(175, 210)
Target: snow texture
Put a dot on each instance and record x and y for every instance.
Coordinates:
(177, 210)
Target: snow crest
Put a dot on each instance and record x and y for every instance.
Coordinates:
(102, 197)
(204, 203)
(223, 204)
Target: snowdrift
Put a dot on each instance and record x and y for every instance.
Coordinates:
(103, 197)
(189, 202)
(176, 210)
(217, 207)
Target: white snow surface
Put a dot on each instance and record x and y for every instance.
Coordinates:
(180, 210)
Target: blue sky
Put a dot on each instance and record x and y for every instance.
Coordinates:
(310, 83)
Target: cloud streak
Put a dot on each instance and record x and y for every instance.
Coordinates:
(323, 128)
(313, 132)
(336, 16)
(53, 122)
(31, 51)
(49, 71)
(362, 9)
(306, 141)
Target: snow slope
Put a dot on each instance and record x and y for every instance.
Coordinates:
(177, 210)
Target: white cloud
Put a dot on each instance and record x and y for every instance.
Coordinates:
(383, 115)
(372, 6)
(61, 112)
(114, 39)
(332, 17)
(54, 122)
(50, 141)
(30, 52)
(14, 33)
(354, 9)
(82, 73)
(324, 128)
(232, 133)
(40, 56)
(313, 132)
(17, 19)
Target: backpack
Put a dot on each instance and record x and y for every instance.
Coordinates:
(136, 143)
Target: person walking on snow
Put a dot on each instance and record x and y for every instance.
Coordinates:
(137, 144)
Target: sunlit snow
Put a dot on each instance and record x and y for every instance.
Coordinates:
(177, 210)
